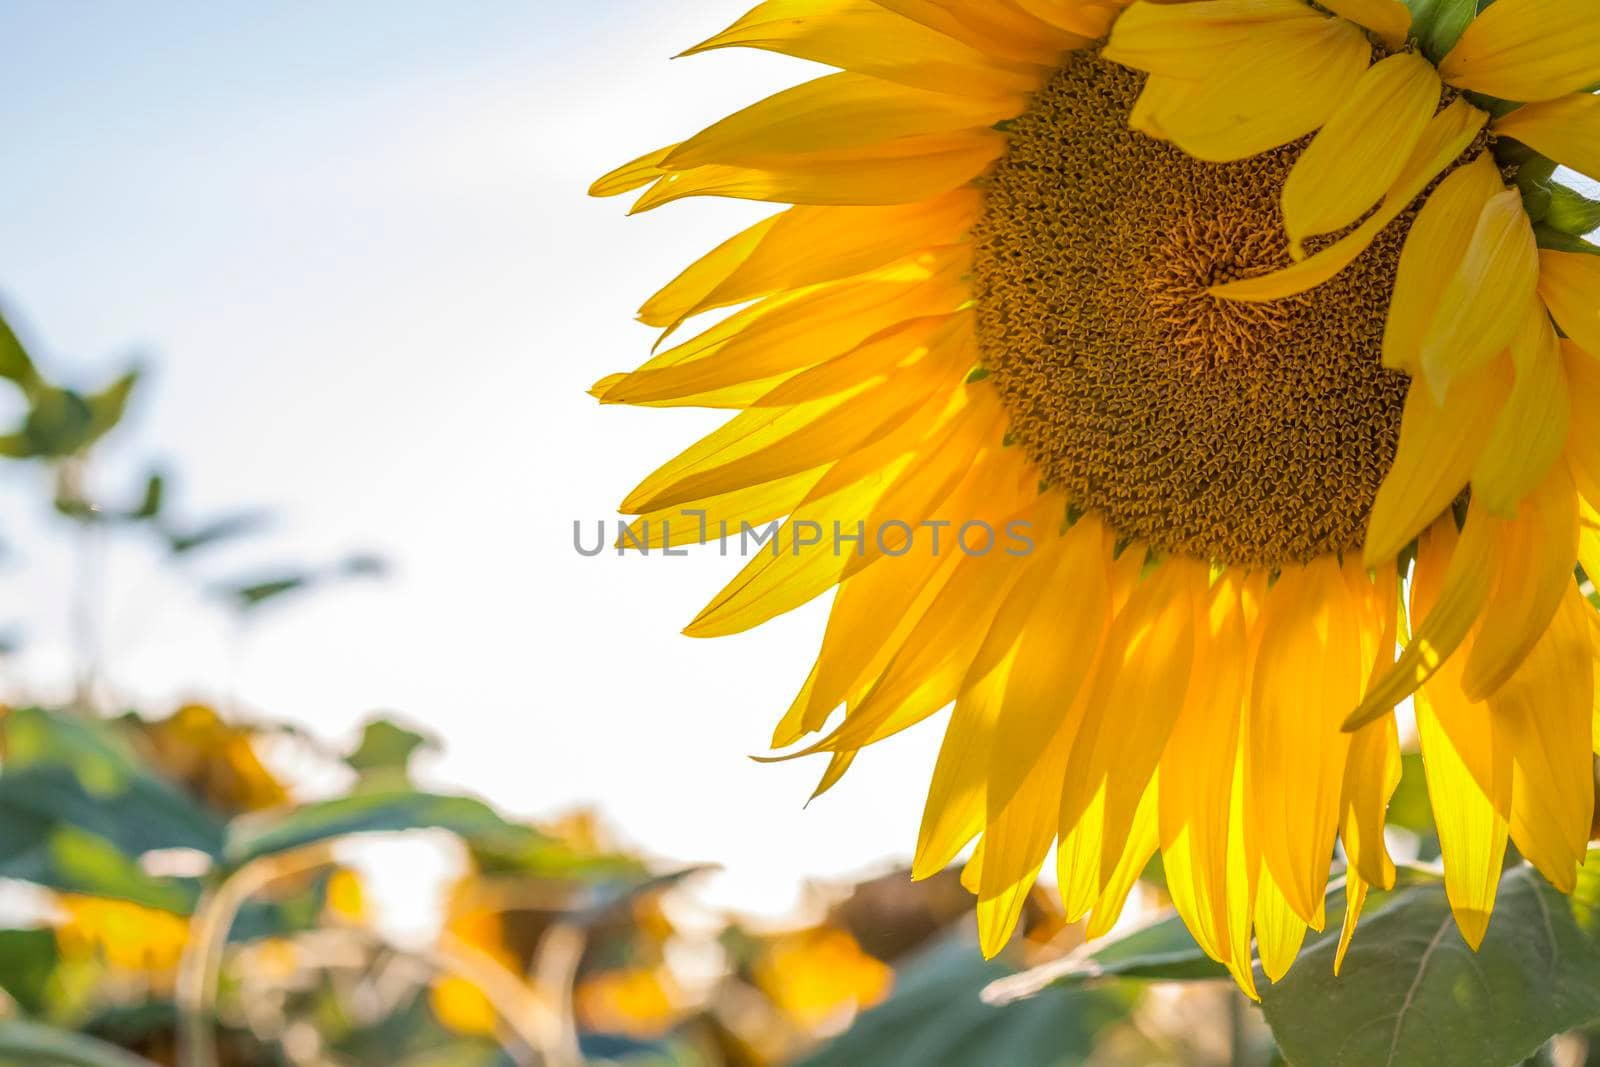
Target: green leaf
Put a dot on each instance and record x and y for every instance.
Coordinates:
(1161, 951)
(32, 1043)
(107, 407)
(387, 811)
(1413, 993)
(1571, 212)
(184, 542)
(387, 748)
(80, 862)
(27, 960)
(937, 1018)
(149, 505)
(64, 770)
(58, 424)
(1438, 24)
(253, 594)
(15, 363)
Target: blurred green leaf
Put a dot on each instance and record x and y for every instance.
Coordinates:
(109, 405)
(149, 505)
(15, 363)
(219, 531)
(1571, 212)
(1413, 993)
(1411, 810)
(384, 811)
(937, 1017)
(64, 770)
(1162, 951)
(386, 747)
(254, 594)
(81, 862)
(1438, 24)
(27, 959)
(37, 1045)
(58, 424)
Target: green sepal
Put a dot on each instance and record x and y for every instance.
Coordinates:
(1557, 241)
(1438, 24)
(1571, 212)
(1535, 177)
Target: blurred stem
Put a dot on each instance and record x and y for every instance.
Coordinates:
(90, 543)
(555, 968)
(201, 966)
(533, 1030)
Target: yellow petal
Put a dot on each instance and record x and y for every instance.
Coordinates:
(1137, 696)
(873, 614)
(865, 37)
(1287, 79)
(1569, 283)
(1566, 129)
(834, 113)
(1488, 298)
(1436, 244)
(1462, 572)
(1527, 50)
(1536, 554)
(1090, 19)
(1279, 931)
(1355, 158)
(1039, 721)
(1143, 839)
(635, 174)
(1531, 432)
(1389, 19)
(1583, 444)
(1469, 782)
(1355, 897)
(1438, 452)
(1308, 675)
(899, 172)
(999, 30)
(1544, 715)
(807, 246)
(927, 673)
(1197, 770)
(717, 516)
(1184, 40)
(954, 813)
(1244, 870)
(788, 333)
(1448, 135)
(1372, 772)
(800, 438)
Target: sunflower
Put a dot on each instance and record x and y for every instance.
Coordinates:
(1259, 326)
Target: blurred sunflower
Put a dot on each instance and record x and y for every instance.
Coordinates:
(1237, 307)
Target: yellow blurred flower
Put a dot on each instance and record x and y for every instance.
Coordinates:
(820, 975)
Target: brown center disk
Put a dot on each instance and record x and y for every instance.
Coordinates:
(1245, 434)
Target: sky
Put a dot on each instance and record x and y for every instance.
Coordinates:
(352, 244)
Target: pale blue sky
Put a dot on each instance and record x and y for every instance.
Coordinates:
(353, 240)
